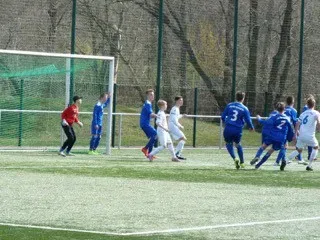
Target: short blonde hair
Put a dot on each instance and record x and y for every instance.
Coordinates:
(161, 103)
(149, 91)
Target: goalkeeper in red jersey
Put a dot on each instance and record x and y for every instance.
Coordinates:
(68, 117)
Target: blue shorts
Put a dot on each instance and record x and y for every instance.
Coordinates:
(275, 145)
(95, 131)
(232, 134)
(264, 137)
(149, 131)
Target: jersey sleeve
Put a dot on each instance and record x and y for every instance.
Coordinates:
(224, 114)
(248, 119)
(290, 133)
(294, 117)
(175, 117)
(95, 115)
(106, 103)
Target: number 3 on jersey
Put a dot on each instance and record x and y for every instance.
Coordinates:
(235, 115)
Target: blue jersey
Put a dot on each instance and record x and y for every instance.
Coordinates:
(236, 115)
(292, 114)
(145, 114)
(97, 116)
(281, 129)
(267, 127)
(305, 108)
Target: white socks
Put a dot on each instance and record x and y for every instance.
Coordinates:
(156, 150)
(171, 150)
(180, 146)
(293, 154)
(313, 155)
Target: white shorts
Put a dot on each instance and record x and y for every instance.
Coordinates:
(306, 141)
(164, 138)
(176, 133)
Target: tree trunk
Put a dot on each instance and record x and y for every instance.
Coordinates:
(183, 59)
(53, 25)
(283, 45)
(253, 53)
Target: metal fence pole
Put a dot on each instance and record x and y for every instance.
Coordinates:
(301, 57)
(114, 116)
(73, 46)
(120, 131)
(235, 49)
(195, 112)
(221, 134)
(21, 114)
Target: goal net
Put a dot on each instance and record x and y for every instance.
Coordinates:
(36, 87)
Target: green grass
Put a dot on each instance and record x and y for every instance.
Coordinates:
(124, 193)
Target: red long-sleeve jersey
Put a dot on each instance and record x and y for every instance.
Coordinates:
(70, 114)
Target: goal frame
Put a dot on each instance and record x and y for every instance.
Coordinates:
(68, 58)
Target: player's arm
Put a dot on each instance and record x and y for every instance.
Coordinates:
(175, 118)
(290, 135)
(248, 120)
(294, 118)
(297, 128)
(224, 114)
(158, 123)
(108, 100)
(95, 117)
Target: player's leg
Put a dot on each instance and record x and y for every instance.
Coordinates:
(179, 136)
(282, 154)
(310, 149)
(162, 145)
(151, 133)
(97, 142)
(228, 138)
(67, 142)
(174, 158)
(71, 142)
(94, 136)
(180, 147)
(265, 157)
(258, 154)
(315, 145)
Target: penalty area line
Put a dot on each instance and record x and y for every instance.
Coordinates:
(167, 231)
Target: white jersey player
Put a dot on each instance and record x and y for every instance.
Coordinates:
(163, 133)
(305, 132)
(175, 127)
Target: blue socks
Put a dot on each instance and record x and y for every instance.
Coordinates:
(263, 160)
(151, 143)
(230, 149)
(259, 152)
(240, 153)
(309, 152)
(281, 155)
(94, 142)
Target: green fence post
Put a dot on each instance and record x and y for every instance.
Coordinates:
(114, 117)
(235, 49)
(301, 57)
(160, 50)
(21, 114)
(195, 112)
(73, 47)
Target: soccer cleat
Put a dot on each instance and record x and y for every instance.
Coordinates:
(180, 157)
(289, 161)
(175, 159)
(145, 151)
(150, 157)
(254, 161)
(242, 165)
(62, 154)
(276, 164)
(237, 163)
(70, 155)
(302, 162)
(283, 165)
(309, 168)
(91, 152)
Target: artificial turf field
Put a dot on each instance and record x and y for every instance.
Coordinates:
(123, 196)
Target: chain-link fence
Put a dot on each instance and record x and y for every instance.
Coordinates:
(218, 47)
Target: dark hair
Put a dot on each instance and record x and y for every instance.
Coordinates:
(177, 98)
(149, 91)
(290, 100)
(311, 102)
(280, 106)
(240, 96)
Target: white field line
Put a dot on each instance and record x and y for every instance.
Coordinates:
(155, 232)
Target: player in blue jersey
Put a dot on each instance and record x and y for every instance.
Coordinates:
(234, 116)
(291, 112)
(264, 135)
(145, 117)
(97, 120)
(280, 132)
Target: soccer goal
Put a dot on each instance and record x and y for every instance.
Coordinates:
(37, 86)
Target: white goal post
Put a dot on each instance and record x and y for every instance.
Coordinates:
(68, 57)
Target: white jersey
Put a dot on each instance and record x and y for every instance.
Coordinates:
(162, 120)
(174, 117)
(308, 123)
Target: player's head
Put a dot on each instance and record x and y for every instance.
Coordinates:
(240, 96)
(307, 96)
(179, 100)
(162, 104)
(77, 100)
(103, 97)
(280, 107)
(150, 94)
(290, 100)
(311, 103)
